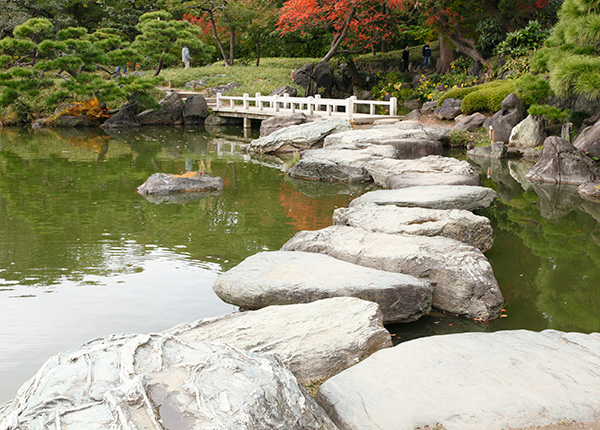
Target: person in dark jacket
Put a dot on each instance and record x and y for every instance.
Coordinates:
(426, 56)
(405, 58)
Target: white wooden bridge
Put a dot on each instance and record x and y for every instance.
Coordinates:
(262, 107)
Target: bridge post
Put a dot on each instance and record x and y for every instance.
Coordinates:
(393, 106)
(286, 97)
(276, 103)
(309, 105)
(317, 104)
(247, 122)
(218, 100)
(259, 103)
(350, 106)
(245, 102)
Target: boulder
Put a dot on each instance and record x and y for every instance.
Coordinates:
(461, 225)
(462, 278)
(278, 122)
(164, 183)
(283, 278)
(282, 91)
(412, 104)
(588, 140)
(562, 163)
(303, 78)
(498, 150)
(410, 138)
(512, 111)
(413, 115)
(339, 165)
(470, 381)
(169, 113)
(323, 78)
(73, 121)
(428, 107)
(470, 122)
(529, 133)
(298, 137)
(590, 191)
(435, 197)
(124, 118)
(223, 88)
(192, 85)
(195, 110)
(129, 381)
(313, 340)
(449, 109)
(433, 169)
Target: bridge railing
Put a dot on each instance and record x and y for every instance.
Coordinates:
(309, 105)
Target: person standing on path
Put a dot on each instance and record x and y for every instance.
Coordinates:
(185, 56)
(405, 59)
(426, 56)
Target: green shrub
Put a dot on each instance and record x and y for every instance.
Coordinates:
(487, 97)
(464, 139)
(538, 62)
(532, 89)
(550, 113)
(522, 41)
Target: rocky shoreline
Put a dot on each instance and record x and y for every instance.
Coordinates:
(321, 302)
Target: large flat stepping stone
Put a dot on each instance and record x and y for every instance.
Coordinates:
(313, 340)
(126, 382)
(436, 197)
(339, 164)
(470, 381)
(409, 143)
(431, 170)
(298, 137)
(457, 224)
(283, 278)
(462, 278)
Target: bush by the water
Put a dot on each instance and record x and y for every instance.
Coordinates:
(532, 89)
(487, 97)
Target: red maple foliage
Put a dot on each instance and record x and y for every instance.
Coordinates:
(356, 24)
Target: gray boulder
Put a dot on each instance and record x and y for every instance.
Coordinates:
(124, 118)
(435, 197)
(428, 107)
(430, 170)
(339, 165)
(461, 225)
(470, 122)
(529, 133)
(298, 137)
(410, 138)
(192, 85)
(164, 183)
(449, 109)
(462, 278)
(223, 88)
(68, 121)
(127, 381)
(313, 340)
(278, 122)
(282, 91)
(590, 191)
(169, 113)
(498, 150)
(413, 115)
(412, 104)
(512, 111)
(470, 381)
(588, 140)
(195, 110)
(323, 78)
(283, 278)
(562, 163)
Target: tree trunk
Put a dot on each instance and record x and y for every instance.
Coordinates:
(257, 53)
(216, 36)
(462, 44)
(337, 40)
(231, 44)
(446, 55)
(159, 67)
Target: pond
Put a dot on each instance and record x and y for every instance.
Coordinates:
(82, 255)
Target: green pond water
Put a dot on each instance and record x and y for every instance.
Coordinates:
(82, 255)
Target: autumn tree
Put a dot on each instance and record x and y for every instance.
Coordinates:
(355, 25)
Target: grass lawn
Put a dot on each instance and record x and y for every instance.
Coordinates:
(272, 73)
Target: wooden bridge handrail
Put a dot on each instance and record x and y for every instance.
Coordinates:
(311, 104)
